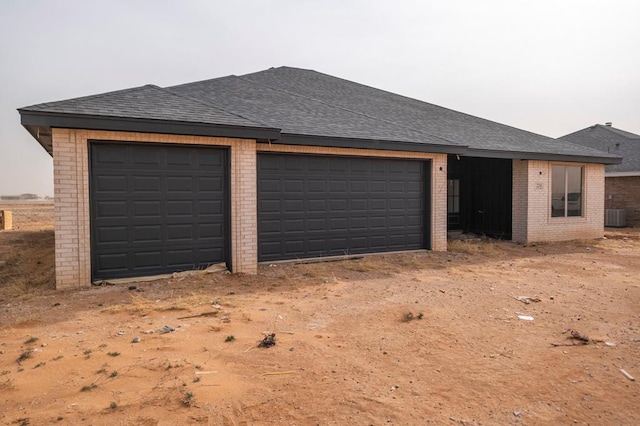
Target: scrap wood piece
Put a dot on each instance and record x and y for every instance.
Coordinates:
(526, 299)
(576, 335)
(627, 375)
(204, 314)
(278, 373)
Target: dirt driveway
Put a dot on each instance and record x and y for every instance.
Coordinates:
(405, 339)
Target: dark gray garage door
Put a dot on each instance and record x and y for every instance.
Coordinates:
(156, 208)
(311, 206)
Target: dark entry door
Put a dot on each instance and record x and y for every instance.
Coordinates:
(312, 205)
(156, 208)
(485, 194)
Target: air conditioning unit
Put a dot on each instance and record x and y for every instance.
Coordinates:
(615, 217)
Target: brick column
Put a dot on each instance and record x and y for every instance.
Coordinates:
(439, 202)
(244, 213)
(71, 195)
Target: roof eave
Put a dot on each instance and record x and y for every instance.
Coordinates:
(39, 124)
(520, 155)
(376, 144)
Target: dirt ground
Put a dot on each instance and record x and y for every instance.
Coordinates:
(405, 339)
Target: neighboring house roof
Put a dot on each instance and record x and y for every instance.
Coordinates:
(613, 141)
(295, 106)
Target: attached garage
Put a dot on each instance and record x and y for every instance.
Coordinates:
(314, 205)
(287, 164)
(157, 208)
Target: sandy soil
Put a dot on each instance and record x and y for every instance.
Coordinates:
(405, 339)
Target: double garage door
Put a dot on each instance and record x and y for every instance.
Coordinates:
(164, 208)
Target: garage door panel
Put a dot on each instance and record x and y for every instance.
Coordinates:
(147, 259)
(110, 156)
(147, 233)
(180, 160)
(141, 156)
(112, 209)
(113, 262)
(113, 234)
(111, 184)
(347, 205)
(146, 209)
(163, 208)
(180, 184)
(213, 184)
(146, 184)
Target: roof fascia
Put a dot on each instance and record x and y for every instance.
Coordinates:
(517, 155)
(71, 121)
(384, 145)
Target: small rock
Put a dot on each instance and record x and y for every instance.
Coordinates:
(517, 413)
(167, 329)
(610, 344)
(135, 340)
(44, 345)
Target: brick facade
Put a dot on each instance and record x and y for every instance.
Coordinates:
(623, 192)
(71, 194)
(532, 219)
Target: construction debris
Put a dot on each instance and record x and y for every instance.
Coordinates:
(627, 375)
(268, 341)
(574, 336)
(526, 299)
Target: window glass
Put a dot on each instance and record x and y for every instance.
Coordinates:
(574, 191)
(557, 190)
(566, 191)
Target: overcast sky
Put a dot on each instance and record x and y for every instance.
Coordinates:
(547, 66)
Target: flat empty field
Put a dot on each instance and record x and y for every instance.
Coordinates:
(489, 333)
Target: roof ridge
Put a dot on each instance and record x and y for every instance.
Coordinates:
(207, 104)
(347, 109)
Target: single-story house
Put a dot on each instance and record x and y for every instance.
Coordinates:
(622, 181)
(289, 163)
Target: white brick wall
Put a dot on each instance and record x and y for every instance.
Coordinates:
(532, 219)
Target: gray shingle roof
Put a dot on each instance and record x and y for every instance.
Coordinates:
(298, 114)
(293, 105)
(456, 127)
(146, 102)
(613, 141)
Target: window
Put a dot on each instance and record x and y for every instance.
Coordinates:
(566, 191)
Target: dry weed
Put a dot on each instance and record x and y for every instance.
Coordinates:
(29, 267)
(476, 247)
(143, 306)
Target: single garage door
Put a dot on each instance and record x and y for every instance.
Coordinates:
(311, 205)
(157, 208)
